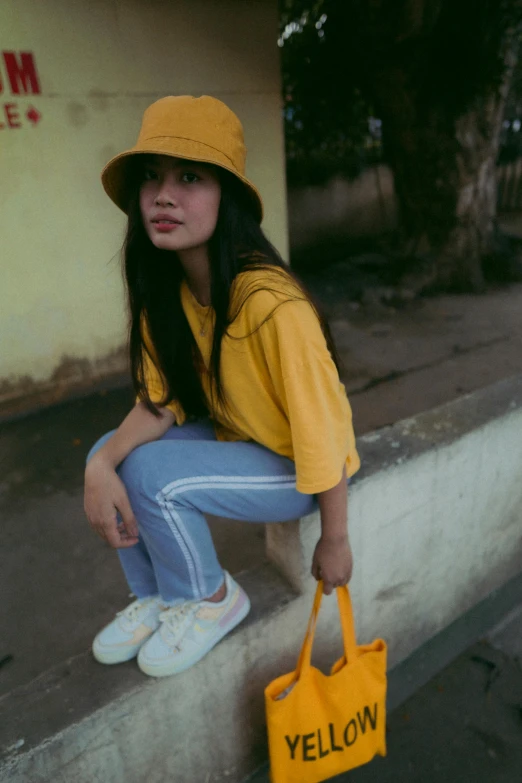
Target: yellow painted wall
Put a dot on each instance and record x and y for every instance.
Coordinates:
(100, 63)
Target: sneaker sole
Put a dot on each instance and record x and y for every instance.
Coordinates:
(172, 668)
(110, 657)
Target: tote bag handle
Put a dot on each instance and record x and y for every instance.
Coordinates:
(347, 625)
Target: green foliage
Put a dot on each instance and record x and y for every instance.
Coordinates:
(326, 114)
(337, 54)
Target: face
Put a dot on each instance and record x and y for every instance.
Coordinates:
(179, 202)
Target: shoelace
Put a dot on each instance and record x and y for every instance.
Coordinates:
(133, 612)
(174, 618)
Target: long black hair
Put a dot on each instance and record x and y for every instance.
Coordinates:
(153, 279)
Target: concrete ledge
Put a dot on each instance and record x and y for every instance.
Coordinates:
(435, 520)
(434, 429)
(86, 722)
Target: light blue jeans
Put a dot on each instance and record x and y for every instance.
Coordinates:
(172, 482)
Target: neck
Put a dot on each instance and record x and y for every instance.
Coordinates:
(196, 265)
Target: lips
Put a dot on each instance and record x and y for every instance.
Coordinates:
(166, 220)
(165, 223)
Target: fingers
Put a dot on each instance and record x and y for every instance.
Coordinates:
(114, 535)
(107, 529)
(125, 543)
(108, 509)
(328, 588)
(129, 520)
(316, 568)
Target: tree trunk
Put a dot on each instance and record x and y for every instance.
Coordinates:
(445, 178)
(438, 73)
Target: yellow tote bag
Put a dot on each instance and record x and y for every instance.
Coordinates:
(320, 725)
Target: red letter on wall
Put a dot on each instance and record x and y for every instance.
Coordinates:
(12, 116)
(22, 73)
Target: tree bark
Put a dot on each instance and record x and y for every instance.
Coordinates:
(445, 178)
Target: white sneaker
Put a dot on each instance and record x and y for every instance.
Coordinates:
(122, 638)
(190, 630)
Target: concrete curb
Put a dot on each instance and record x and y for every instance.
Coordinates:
(435, 518)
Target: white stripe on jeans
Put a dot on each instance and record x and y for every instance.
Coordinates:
(240, 480)
(166, 498)
(186, 545)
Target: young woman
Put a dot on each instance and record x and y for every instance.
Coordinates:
(239, 413)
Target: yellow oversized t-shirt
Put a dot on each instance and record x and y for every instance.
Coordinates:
(280, 382)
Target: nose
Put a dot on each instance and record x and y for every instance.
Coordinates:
(166, 195)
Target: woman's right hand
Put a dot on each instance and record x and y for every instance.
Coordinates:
(105, 495)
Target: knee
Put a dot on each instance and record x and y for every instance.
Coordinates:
(137, 472)
(99, 443)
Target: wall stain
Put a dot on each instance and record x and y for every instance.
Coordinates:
(99, 99)
(395, 591)
(72, 376)
(77, 113)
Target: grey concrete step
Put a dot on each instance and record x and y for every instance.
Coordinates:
(85, 722)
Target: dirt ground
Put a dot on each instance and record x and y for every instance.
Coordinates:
(399, 362)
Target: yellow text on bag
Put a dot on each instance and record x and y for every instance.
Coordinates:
(319, 725)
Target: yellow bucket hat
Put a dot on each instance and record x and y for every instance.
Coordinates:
(202, 129)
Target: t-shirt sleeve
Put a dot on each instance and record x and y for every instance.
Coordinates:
(314, 399)
(154, 379)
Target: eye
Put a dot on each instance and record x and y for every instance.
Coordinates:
(149, 175)
(189, 177)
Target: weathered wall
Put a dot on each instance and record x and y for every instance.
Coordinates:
(98, 65)
(367, 206)
(342, 209)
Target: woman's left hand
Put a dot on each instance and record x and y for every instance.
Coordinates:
(332, 562)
